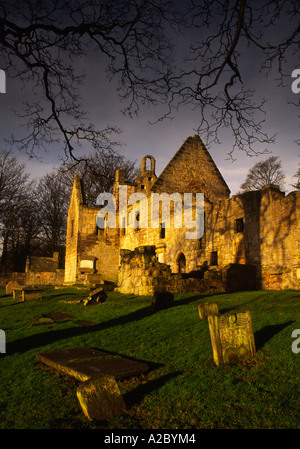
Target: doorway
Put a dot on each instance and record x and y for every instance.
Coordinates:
(181, 263)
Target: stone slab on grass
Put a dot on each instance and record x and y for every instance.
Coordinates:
(85, 363)
(100, 398)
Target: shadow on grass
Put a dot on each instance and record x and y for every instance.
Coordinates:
(202, 297)
(136, 395)
(267, 332)
(51, 336)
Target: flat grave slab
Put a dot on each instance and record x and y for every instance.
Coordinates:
(85, 363)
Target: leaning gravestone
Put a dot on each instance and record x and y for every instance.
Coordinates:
(207, 308)
(101, 398)
(161, 300)
(97, 296)
(232, 337)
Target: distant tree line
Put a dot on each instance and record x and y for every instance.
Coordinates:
(33, 213)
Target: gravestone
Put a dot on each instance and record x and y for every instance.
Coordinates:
(10, 286)
(100, 398)
(27, 293)
(86, 363)
(43, 320)
(207, 308)
(232, 337)
(161, 300)
(97, 296)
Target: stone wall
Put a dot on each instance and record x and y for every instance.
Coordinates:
(47, 264)
(259, 228)
(74, 217)
(141, 274)
(45, 277)
(89, 250)
(280, 239)
(34, 278)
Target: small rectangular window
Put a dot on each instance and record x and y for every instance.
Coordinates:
(214, 258)
(239, 225)
(162, 231)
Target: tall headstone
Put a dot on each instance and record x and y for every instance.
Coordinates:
(207, 308)
(232, 337)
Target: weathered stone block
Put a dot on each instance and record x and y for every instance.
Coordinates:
(161, 300)
(232, 337)
(100, 398)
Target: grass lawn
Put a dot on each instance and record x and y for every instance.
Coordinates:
(183, 389)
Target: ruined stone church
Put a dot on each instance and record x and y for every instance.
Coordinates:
(250, 241)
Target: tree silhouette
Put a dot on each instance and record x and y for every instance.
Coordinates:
(263, 173)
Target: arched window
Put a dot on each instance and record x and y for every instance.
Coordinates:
(181, 263)
(149, 166)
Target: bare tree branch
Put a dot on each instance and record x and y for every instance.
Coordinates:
(39, 42)
(213, 80)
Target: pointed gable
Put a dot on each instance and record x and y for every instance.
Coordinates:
(192, 169)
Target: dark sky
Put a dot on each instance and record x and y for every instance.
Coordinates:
(163, 139)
